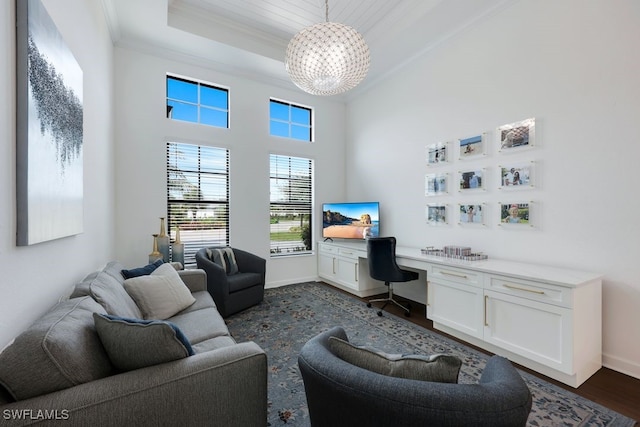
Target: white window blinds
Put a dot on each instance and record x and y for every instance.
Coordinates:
(198, 196)
(291, 204)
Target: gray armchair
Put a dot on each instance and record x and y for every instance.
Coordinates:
(341, 394)
(234, 292)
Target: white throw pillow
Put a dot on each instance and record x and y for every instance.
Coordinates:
(161, 294)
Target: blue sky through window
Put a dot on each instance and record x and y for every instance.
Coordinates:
(196, 102)
(290, 121)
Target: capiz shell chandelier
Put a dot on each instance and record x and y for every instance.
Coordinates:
(327, 58)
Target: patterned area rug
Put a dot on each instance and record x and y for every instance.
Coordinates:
(291, 315)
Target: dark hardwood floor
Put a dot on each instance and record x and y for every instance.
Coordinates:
(609, 388)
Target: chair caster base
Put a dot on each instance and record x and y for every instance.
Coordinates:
(369, 304)
(380, 313)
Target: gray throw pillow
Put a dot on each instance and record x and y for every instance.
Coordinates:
(161, 294)
(225, 258)
(136, 343)
(436, 368)
(59, 350)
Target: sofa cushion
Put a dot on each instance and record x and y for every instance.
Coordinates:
(141, 271)
(114, 269)
(59, 350)
(191, 323)
(136, 343)
(436, 368)
(225, 258)
(161, 294)
(105, 286)
(213, 344)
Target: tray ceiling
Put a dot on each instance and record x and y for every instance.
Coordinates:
(249, 37)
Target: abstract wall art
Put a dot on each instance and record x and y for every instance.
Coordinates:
(49, 131)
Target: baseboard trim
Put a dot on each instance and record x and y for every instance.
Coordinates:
(279, 283)
(621, 365)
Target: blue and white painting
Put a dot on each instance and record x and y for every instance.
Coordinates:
(49, 131)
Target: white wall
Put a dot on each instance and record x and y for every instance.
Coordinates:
(574, 66)
(142, 131)
(35, 276)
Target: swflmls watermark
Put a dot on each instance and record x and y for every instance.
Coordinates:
(35, 414)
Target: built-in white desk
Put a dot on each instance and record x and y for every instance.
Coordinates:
(546, 318)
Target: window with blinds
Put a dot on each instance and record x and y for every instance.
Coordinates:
(198, 196)
(291, 200)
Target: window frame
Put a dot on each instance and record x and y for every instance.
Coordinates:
(198, 105)
(290, 123)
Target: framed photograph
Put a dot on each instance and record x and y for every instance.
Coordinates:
(436, 214)
(515, 213)
(471, 180)
(437, 153)
(517, 176)
(472, 147)
(471, 214)
(435, 184)
(49, 130)
(517, 135)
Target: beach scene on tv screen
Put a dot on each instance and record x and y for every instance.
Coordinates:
(350, 220)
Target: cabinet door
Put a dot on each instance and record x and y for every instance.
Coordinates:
(347, 272)
(455, 305)
(326, 266)
(535, 330)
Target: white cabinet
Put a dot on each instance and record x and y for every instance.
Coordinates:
(454, 299)
(327, 258)
(348, 272)
(345, 266)
(550, 326)
(538, 331)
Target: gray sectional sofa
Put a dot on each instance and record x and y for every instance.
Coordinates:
(58, 371)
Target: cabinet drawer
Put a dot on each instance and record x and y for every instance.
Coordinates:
(328, 249)
(456, 275)
(349, 253)
(536, 291)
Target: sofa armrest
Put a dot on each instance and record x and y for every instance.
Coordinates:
(195, 279)
(228, 384)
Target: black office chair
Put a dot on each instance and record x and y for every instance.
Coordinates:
(381, 254)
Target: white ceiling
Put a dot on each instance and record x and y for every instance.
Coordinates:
(250, 37)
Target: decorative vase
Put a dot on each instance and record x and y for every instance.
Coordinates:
(163, 242)
(155, 253)
(177, 249)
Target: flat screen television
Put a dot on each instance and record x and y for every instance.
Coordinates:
(354, 220)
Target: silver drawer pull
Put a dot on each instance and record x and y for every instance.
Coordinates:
(533, 291)
(446, 273)
(347, 253)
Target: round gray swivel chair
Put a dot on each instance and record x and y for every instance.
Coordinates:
(340, 394)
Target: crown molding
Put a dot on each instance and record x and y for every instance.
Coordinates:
(113, 22)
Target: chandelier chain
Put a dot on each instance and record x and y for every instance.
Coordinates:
(326, 10)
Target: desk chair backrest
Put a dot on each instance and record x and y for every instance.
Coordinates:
(381, 256)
